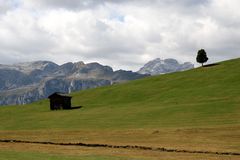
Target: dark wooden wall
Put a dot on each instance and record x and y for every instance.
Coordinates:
(60, 103)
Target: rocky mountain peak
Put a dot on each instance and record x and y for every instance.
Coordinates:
(28, 67)
(79, 64)
(158, 66)
(171, 61)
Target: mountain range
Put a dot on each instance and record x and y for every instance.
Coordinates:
(27, 82)
(158, 66)
(23, 83)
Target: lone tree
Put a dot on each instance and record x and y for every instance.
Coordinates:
(202, 56)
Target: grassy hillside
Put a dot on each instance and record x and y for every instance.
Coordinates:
(200, 97)
(13, 155)
(197, 109)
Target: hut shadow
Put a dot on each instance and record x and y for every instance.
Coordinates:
(211, 65)
(76, 107)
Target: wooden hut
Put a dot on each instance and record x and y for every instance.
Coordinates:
(59, 101)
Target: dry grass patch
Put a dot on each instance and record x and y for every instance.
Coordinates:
(123, 154)
(221, 139)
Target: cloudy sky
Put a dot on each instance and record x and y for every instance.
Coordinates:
(121, 33)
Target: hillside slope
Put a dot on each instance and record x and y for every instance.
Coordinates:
(206, 96)
(195, 110)
(203, 96)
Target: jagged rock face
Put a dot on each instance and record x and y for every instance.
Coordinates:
(27, 82)
(28, 67)
(10, 79)
(158, 66)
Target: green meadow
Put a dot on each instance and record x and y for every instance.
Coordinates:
(13, 155)
(197, 109)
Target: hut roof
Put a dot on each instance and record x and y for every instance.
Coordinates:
(59, 94)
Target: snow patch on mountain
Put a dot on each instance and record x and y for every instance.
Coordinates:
(158, 66)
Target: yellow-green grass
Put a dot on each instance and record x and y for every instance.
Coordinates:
(19, 155)
(197, 109)
(13, 155)
(51, 152)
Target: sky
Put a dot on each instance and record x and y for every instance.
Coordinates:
(124, 34)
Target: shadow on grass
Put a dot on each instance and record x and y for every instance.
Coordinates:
(77, 107)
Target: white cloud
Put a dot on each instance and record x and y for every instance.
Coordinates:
(123, 34)
(6, 5)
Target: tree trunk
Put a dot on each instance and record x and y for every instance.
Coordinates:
(202, 64)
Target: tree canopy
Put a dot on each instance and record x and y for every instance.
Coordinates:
(202, 56)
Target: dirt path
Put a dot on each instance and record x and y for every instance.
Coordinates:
(161, 149)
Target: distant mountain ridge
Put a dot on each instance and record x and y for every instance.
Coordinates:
(158, 66)
(23, 83)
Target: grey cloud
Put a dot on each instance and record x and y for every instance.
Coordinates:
(86, 4)
(123, 34)
(70, 4)
(6, 5)
(187, 3)
(25, 37)
(73, 4)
